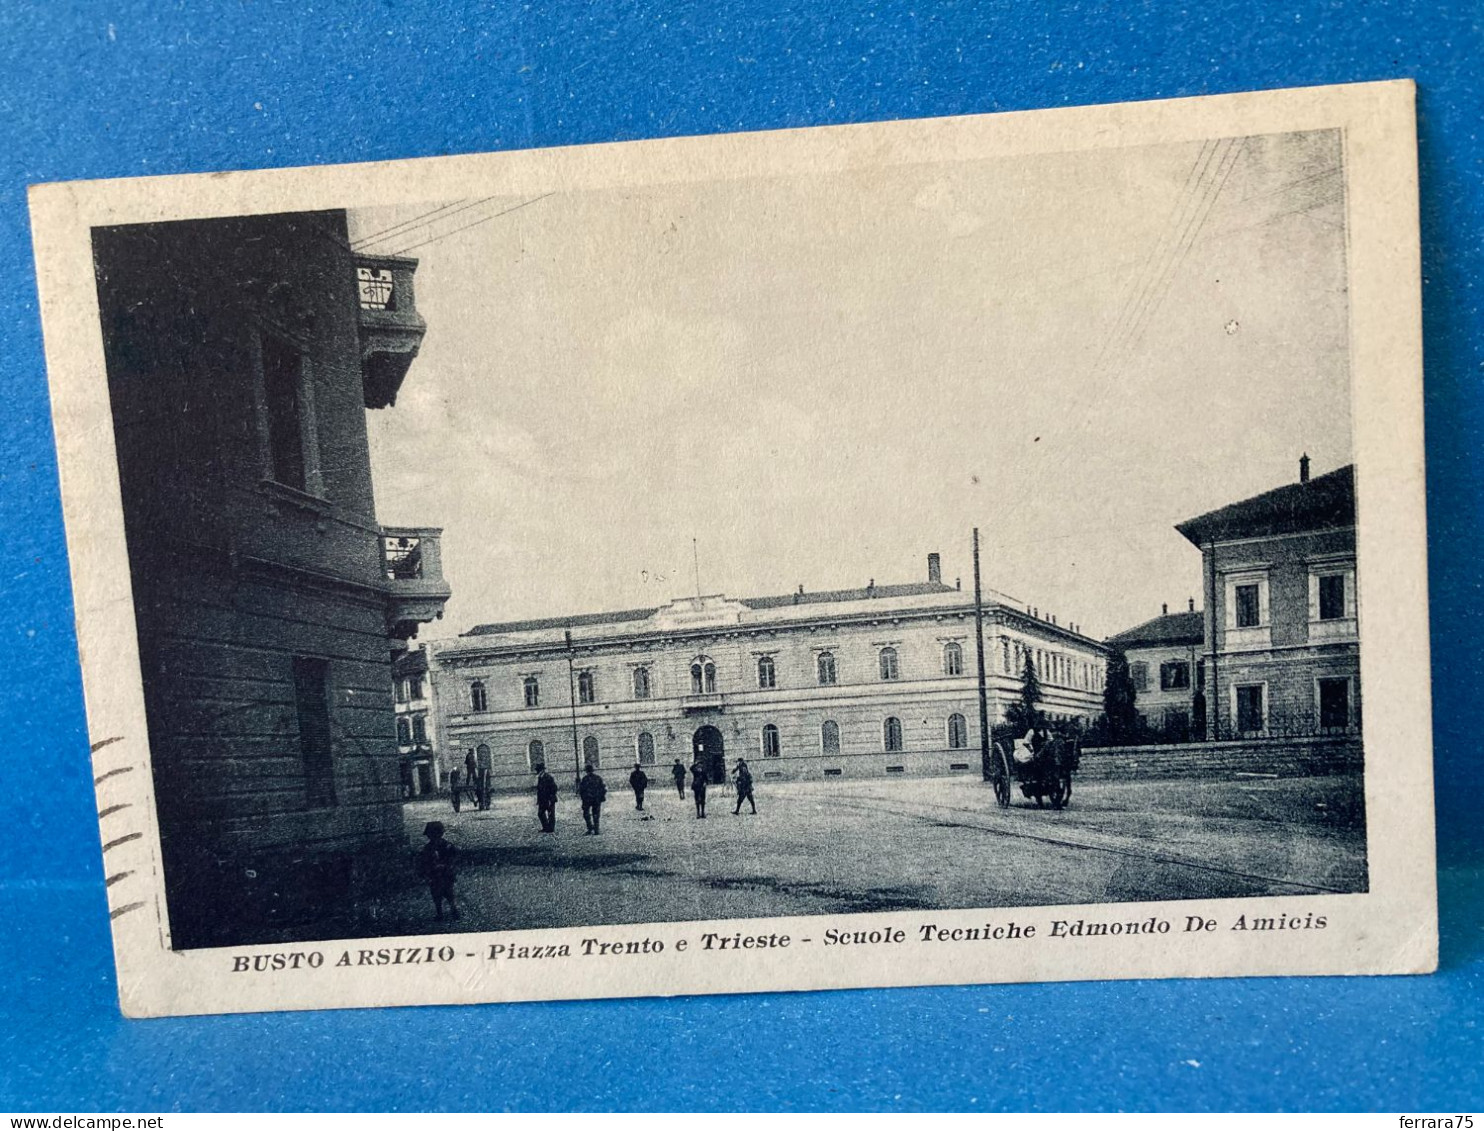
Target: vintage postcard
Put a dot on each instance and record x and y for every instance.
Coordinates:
(983, 549)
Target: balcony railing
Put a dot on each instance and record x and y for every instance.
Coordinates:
(391, 328)
(412, 566)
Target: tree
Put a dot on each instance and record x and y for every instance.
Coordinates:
(1025, 712)
(1122, 720)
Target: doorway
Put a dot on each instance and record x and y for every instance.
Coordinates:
(710, 749)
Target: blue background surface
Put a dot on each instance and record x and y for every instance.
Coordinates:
(119, 89)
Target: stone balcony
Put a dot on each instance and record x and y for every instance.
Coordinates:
(706, 701)
(391, 328)
(412, 571)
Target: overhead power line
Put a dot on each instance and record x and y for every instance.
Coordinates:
(376, 237)
(474, 224)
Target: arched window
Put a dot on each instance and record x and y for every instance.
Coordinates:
(587, 687)
(641, 683)
(646, 748)
(891, 733)
(767, 676)
(958, 732)
(404, 731)
(420, 730)
(826, 668)
(888, 663)
(536, 755)
(953, 659)
(829, 737)
(702, 677)
(478, 701)
(532, 689)
(590, 752)
(771, 748)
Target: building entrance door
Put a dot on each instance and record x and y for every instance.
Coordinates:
(711, 750)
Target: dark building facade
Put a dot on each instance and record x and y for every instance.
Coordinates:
(242, 356)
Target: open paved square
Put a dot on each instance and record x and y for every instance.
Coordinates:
(881, 845)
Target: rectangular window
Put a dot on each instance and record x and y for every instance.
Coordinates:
(1332, 597)
(1139, 673)
(312, 704)
(1249, 606)
(415, 687)
(420, 729)
(1249, 709)
(283, 370)
(1174, 676)
(1334, 704)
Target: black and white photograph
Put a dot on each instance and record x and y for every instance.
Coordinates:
(971, 531)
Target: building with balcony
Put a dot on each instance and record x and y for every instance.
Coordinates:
(242, 356)
(423, 770)
(878, 680)
(1281, 639)
(1167, 667)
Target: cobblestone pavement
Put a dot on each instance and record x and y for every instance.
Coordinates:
(882, 845)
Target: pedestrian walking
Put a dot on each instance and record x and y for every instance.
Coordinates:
(744, 786)
(638, 782)
(437, 863)
(453, 788)
(678, 773)
(546, 797)
(698, 787)
(593, 793)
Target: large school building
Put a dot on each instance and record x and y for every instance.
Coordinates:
(872, 681)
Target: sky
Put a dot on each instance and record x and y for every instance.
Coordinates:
(818, 380)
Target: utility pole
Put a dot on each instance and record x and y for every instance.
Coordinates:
(572, 703)
(984, 762)
(695, 554)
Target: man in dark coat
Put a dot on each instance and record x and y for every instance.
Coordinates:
(698, 786)
(744, 787)
(638, 782)
(593, 793)
(678, 773)
(546, 797)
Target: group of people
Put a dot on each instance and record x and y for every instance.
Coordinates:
(475, 786)
(437, 861)
(593, 792)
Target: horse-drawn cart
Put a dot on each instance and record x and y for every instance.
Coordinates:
(1042, 765)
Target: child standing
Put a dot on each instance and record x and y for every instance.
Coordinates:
(436, 863)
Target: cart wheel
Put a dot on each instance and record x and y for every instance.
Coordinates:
(1002, 778)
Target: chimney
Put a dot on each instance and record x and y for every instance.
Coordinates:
(1164, 610)
(958, 582)
(1304, 468)
(871, 588)
(1192, 604)
(935, 569)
